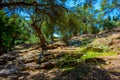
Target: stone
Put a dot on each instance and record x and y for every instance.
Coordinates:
(7, 72)
(56, 45)
(73, 42)
(6, 57)
(30, 66)
(115, 36)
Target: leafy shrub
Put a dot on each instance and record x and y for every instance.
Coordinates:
(34, 39)
(7, 32)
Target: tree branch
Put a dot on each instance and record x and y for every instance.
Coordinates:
(2, 5)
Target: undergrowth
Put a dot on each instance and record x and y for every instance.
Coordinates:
(82, 54)
(91, 52)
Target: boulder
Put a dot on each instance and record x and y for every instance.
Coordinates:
(74, 42)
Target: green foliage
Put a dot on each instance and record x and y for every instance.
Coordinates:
(69, 60)
(7, 32)
(91, 52)
(33, 39)
(11, 32)
(94, 54)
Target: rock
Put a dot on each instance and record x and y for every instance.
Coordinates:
(115, 36)
(30, 66)
(4, 72)
(74, 42)
(2, 61)
(2, 67)
(56, 45)
(7, 72)
(21, 78)
(48, 65)
(13, 77)
(115, 42)
(102, 41)
(29, 57)
(6, 57)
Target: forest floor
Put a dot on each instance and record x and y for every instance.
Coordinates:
(64, 62)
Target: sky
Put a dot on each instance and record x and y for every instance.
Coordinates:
(71, 3)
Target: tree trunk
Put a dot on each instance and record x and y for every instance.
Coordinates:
(1, 47)
(43, 43)
(52, 37)
(74, 33)
(85, 32)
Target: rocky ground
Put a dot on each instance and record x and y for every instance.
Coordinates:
(27, 62)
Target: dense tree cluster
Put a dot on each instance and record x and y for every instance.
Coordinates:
(8, 33)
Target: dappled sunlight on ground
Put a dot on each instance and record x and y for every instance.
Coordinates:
(63, 62)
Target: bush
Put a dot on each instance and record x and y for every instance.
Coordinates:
(9, 31)
(34, 39)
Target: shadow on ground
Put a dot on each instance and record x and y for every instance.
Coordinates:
(90, 72)
(81, 71)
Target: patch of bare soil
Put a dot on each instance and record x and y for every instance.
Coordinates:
(111, 62)
(27, 63)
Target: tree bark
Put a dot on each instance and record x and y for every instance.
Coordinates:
(74, 33)
(1, 47)
(52, 37)
(43, 42)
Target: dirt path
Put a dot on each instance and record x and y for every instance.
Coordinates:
(112, 62)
